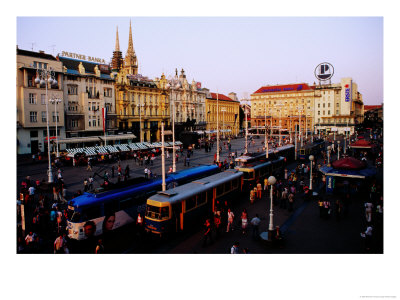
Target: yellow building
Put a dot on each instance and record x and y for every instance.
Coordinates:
(141, 103)
(228, 114)
(283, 106)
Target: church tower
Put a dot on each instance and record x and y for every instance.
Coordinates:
(117, 60)
(130, 62)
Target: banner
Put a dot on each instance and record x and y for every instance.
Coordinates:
(104, 114)
(330, 184)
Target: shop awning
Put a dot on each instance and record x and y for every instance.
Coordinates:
(330, 171)
(88, 139)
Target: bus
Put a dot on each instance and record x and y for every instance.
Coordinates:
(122, 204)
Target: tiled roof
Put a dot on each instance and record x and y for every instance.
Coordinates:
(284, 88)
(369, 107)
(35, 54)
(220, 97)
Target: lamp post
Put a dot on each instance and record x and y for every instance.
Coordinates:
(311, 158)
(163, 185)
(271, 181)
(329, 154)
(334, 132)
(279, 107)
(56, 101)
(245, 146)
(140, 105)
(265, 133)
(217, 130)
(174, 86)
(223, 120)
(45, 77)
(338, 150)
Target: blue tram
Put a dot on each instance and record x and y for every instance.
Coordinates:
(112, 209)
(179, 208)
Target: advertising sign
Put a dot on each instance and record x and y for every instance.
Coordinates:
(324, 71)
(330, 184)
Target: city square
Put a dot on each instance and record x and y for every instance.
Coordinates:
(127, 151)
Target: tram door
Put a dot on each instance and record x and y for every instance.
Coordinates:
(177, 216)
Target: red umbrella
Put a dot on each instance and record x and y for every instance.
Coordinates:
(349, 163)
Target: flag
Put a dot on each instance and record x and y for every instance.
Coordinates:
(104, 113)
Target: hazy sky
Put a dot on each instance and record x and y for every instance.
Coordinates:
(231, 54)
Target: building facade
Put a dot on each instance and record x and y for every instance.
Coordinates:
(32, 98)
(141, 103)
(188, 103)
(338, 107)
(283, 106)
(88, 91)
(227, 118)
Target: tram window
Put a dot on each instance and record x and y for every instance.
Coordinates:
(227, 186)
(201, 199)
(125, 203)
(110, 207)
(152, 212)
(235, 183)
(302, 151)
(209, 195)
(164, 212)
(220, 190)
(190, 203)
(91, 212)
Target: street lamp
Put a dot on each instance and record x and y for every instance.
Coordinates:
(45, 77)
(265, 133)
(217, 129)
(140, 105)
(223, 120)
(245, 114)
(329, 154)
(174, 86)
(163, 185)
(56, 101)
(338, 150)
(271, 181)
(311, 158)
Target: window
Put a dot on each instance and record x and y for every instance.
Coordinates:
(32, 98)
(329, 112)
(337, 104)
(43, 99)
(227, 187)
(44, 116)
(319, 113)
(190, 203)
(201, 199)
(319, 105)
(72, 90)
(74, 123)
(89, 105)
(108, 92)
(323, 105)
(323, 113)
(34, 134)
(54, 117)
(220, 190)
(329, 105)
(337, 112)
(33, 116)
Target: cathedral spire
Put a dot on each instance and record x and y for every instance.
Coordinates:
(117, 42)
(130, 58)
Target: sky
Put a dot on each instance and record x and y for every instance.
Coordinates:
(226, 54)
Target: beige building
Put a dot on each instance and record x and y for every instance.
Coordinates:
(88, 90)
(32, 100)
(283, 106)
(228, 114)
(338, 107)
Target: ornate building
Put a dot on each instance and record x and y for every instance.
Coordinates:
(31, 102)
(189, 101)
(88, 89)
(141, 103)
(228, 114)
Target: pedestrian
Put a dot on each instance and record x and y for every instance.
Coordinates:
(265, 184)
(89, 165)
(230, 220)
(146, 173)
(188, 161)
(127, 171)
(90, 182)
(170, 170)
(368, 237)
(85, 186)
(59, 244)
(291, 201)
(99, 247)
(259, 189)
(244, 218)
(217, 223)
(252, 196)
(255, 223)
(235, 248)
(207, 232)
(284, 196)
(368, 210)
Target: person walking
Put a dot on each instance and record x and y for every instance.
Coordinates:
(252, 196)
(217, 223)
(89, 165)
(230, 220)
(207, 232)
(59, 244)
(255, 223)
(244, 218)
(291, 201)
(146, 173)
(368, 210)
(259, 190)
(235, 248)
